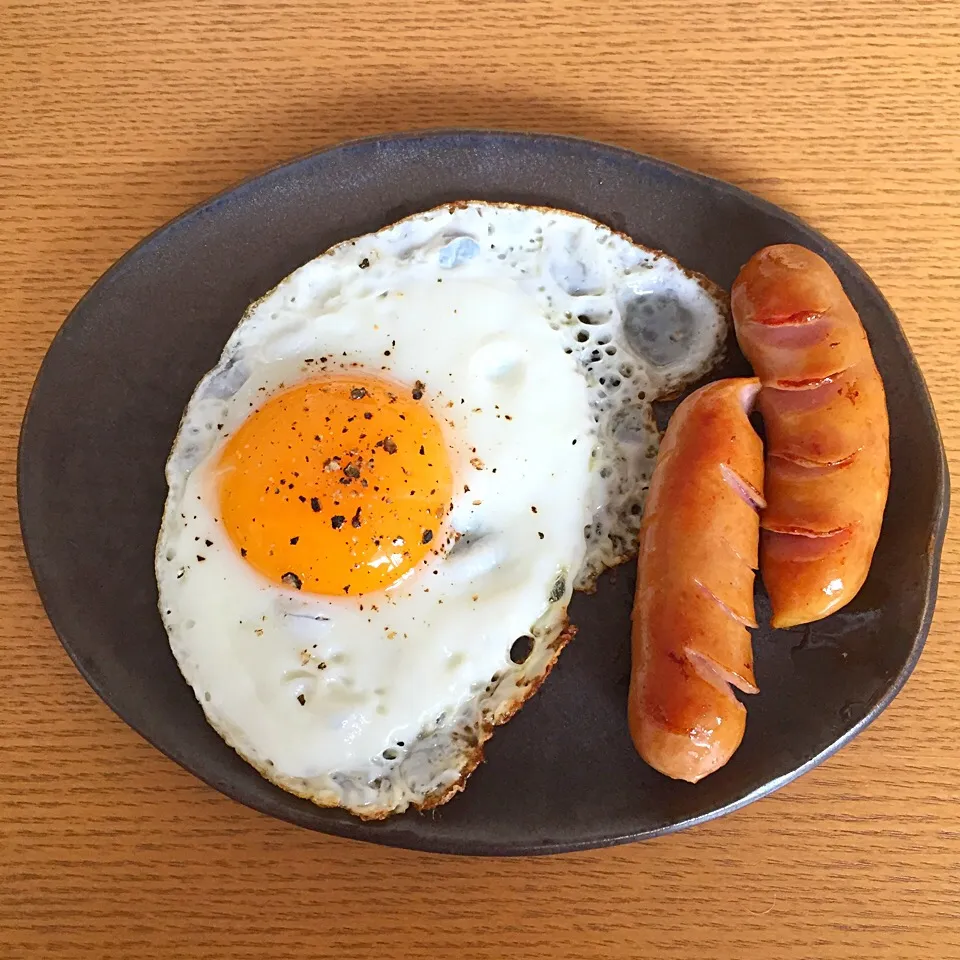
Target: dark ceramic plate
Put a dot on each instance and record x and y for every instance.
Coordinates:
(563, 775)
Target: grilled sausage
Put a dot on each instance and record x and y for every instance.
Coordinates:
(825, 415)
(694, 597)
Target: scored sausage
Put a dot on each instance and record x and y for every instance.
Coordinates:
(694, 596)
(827, 433)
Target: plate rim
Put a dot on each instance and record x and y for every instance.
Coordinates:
(354, 828)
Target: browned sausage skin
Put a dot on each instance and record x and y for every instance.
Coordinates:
(694, 598)
(825, 415)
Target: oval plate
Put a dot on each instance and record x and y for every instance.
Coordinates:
(563, 775)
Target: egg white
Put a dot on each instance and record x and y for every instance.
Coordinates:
(542, 338)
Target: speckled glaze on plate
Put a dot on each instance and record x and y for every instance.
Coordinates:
(563, 774)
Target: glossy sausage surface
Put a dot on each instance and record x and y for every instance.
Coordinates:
(694, 597)
(825, 416)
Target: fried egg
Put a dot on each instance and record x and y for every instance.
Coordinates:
(410, 454)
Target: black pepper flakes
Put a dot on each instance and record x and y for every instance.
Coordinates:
(301, 699)
(539, 534)
(292, 580)
(294, 541)
(364, 263)
(352, 470)
(422, 450)
(367, 415)
(358, 393)
(355, 520)
(389, 444)
(208, 543)
(315, 504)
(243, 551)
(418, 389)
(427, 536)
(200, 559)
(337, 521)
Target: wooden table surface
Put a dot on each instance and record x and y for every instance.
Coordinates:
(118, 114)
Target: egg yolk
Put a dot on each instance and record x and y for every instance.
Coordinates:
(337, 486)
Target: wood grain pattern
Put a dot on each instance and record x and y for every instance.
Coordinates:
(116, 115)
